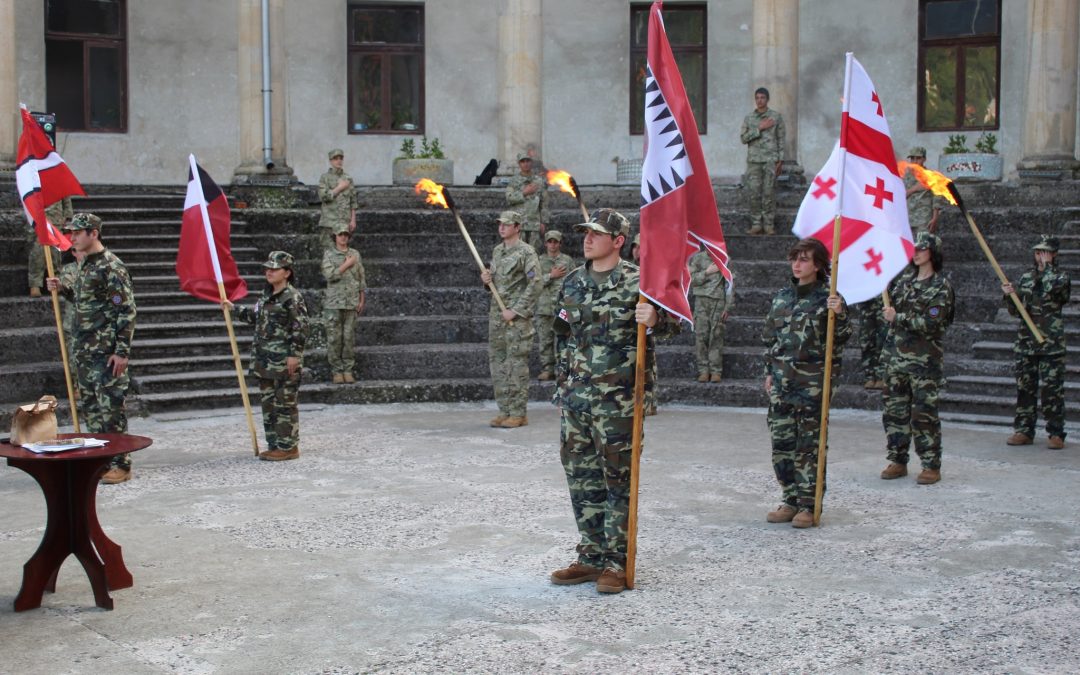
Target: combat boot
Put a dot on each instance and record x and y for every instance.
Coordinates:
(348, 377)
(545, 376)
(514, 422)
(783, 514)
(339, 378)
(497, 420)
(928, 476)
(35, 292)
(803, 519)
(279, 455)
(576, 573)
(1055, 443)
(770, 230)
(716, 377)
(870, 384)
(611, 581)
(704, 377)
(1019, 439)
(894, 470)
(116, 475)
(756, 229)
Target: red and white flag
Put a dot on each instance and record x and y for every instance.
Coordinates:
(43, 178)
(862, 183)
(204, 259)
(678, 209)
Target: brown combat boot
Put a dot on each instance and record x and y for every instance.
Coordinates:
(348, 377)
(704, 377)
(116, 475)
(339, 378)
(35, 292)
(803, 519)
(756, 229)
(545, 376)
(1019, 439)
(497, 420)
(514, 422)
(783, 514)
(928, 476)
(770, 230)
(894, 470)
(716, 377)
(869, 384)
(279, 455)
(611, 581)
(1055, 443)
(576, 573)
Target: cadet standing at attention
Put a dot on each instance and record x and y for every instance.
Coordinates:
(1045, 291)
(338, 197)
(343, 301)
(763, 135)
(713, 302)
(923, 206)
(872, 333)
(795, 332)
(554, 266)
(104, 326)
(515, 274)
(923, 307)
(277, 355)
(526, 193)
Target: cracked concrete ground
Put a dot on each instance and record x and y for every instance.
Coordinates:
(414, 539)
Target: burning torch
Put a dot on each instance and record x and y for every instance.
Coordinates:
(566, 183)
(440, 196)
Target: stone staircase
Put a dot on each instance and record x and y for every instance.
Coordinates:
(423, 336)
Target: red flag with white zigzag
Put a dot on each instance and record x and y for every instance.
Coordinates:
(43, 178)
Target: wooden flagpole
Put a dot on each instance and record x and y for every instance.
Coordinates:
(63, 341)
(635, 453)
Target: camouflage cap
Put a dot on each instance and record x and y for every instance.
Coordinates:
(1047, 242)
(522, 156)
(637, 240)
(607, 221)
(84, 221)
(553, 234)
(278, 260)
(510, 217)
(343, 229)
(917, 151)
(930, 242)
(336, 152)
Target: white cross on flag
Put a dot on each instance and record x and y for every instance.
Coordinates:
(862, 183)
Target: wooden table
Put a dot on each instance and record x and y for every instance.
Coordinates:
(69, 481)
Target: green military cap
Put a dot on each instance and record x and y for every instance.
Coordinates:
(336, 152)
(278, 260)
(84, 221)
(917, 151)
(553, 234)
(930, 242)
(607, 221)
(637, 240)
(1047, 242)
(343, 229)
(522, 156)
(510, 217)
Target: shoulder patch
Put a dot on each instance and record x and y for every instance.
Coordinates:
(116, 299)
(563, 314)
(531, 273)
(934, 312)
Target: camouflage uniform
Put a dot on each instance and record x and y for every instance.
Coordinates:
(596, 338)
(58, 214)
(545, 305)
(794, 335)
(872, 333)
(920, 204)
(281, 330)
(1044, 294)
(337, 211)
(763, 150)
(533, 207)
(68, 274)
(713, 296)
(340, 300)
(913, 357)
(515, 274)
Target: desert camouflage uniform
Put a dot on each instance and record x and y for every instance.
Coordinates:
(763, 150)
(913, 356)
(340, 299)
(713, 296)
(1044, 294)
(920, 204)
(545, 306)
(794, 335)
(873, 330)
(58, 213)
(515, 274)
(596, 339)
(281, 330)
(336, 211)
(533, 207)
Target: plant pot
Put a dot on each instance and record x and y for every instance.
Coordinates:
(971, 166)
(409, 171)
(628, 171)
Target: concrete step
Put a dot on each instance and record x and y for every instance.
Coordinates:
(998, 385)
(1003, 351)
(244, 255)
(1001, 405)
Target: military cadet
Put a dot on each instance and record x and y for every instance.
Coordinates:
(923, 306)
(526, 193)
(872, 333)
(104, 325)
(713, 301)
(277, 354)
(923, 206)
(795, 333)
(1044, 290)
(68, 274)
(343, 301)
(338, 197)
(635, 249)
(554, 266)
(596, 336)
(59, 214)
(763, 135)
(515, 274)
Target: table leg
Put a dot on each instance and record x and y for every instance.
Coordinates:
(116, 572)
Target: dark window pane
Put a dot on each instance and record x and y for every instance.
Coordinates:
(64, 82)
(106, 100)
(386, 26)
(980, 87)
(692, 67)
(637, 93)
(100, 17)
(961, 18)
(366, 73)
(405, 91)
(939, 95)
(685, 26)
(639, 27)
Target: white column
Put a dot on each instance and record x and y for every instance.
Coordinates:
(249, 90)
(520, 60)
(9, 90)
(775, 66)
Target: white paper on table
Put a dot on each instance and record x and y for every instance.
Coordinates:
(42, 447)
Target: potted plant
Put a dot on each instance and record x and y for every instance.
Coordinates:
(429, 161)
(960, 163)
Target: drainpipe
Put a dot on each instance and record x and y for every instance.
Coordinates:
(266, 91)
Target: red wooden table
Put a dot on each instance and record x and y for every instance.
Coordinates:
(69, 481)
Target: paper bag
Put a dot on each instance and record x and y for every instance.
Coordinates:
(34, 422)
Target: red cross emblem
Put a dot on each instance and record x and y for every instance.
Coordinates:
(875, 99)
(875, 261)
(824, 188)
(879, 193)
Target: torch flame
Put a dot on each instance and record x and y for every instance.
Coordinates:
(434, 192)
(562, 180)
(936, 182)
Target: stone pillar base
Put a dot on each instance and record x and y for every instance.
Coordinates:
(257, 174)
(1048, 168)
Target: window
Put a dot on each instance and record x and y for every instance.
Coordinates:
(86, 64)
(386, 68)
(685, 26)
(959, 64)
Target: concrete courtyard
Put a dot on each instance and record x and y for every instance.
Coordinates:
(414, 539)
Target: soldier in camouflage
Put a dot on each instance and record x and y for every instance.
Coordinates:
(515, 274)
(763, 135)
(923, 307)
(59, 214)
(923, 206)
(554, 266)
(338, 196)
(872, 333)
(714, 300)
(277, 355)
(343, 302)
(104, 325)
(1044, 290)
(526, 193)
(795, 333)
(596, 337)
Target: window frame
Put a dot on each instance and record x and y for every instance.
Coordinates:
(385, 51)
(961, 44)
(676, 50)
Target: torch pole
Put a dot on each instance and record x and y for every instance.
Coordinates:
(63, 342)
(580, 203)
(476, 256)
(635, 452)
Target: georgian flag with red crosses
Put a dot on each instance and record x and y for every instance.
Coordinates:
(860, 181)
